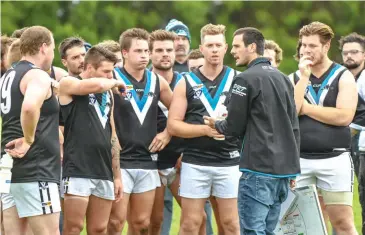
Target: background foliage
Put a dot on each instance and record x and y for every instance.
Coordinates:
(99, 20)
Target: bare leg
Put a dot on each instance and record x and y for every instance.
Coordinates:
(141, 205)
(157, 212)
(118, 216)
(45, 224)
(97, 215)
(13, 225)
(192, 213)
(228, 213)
(75, 208)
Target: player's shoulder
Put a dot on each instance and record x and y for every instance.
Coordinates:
(68, 79)
(153, 75)
(234, 71)
(59, 73)
(37, 74)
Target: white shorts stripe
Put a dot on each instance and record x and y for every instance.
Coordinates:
(35, 198)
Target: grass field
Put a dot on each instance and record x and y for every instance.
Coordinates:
(177, 213)
(357, 209)
(175, 222)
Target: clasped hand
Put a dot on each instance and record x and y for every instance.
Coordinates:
(210, 130)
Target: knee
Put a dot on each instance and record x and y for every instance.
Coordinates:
(191, 223)
(230, 224)
(73, 226)
(115, 224)
(140, 223)
(156, 221)
(96, 230)
(344, 225)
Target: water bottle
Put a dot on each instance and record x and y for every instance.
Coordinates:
(221, 115)
(6, 163)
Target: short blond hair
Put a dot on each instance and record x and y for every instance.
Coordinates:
(272, 45)
(18, 32)
(14, 52)
(33, 38)
(195, 54)
(5, 44)
(324, 31)
(160, 35)
(111, 45)
(97, 54)
(211, 29)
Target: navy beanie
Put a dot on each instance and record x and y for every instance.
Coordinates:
(179, 28)
(87, 46)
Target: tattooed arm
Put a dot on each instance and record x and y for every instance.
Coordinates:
(118, 186)
(115, 157)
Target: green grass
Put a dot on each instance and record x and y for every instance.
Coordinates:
(175, 222)
(177, 212)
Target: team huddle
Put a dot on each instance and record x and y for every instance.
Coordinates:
(132, 122)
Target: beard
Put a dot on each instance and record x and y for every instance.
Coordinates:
(163, 68)
(77, 70)
(242, 62)
(353, 65)
(319, 60)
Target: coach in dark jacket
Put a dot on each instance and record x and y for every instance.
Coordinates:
(262, 111)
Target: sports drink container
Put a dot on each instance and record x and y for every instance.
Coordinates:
(221, 115)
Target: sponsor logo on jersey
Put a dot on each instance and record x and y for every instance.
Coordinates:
(197, 94)
(47, 203)
(198, 87)
(43, 185)
(129, 92)
(92, 100)
(234, 154)
(154, 157)
(198, 91)
(239, 90)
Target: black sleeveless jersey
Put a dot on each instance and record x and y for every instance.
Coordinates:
(135, 119)
(168, 156)
(317, 139)
(52, 74)
(42, 161)
(204, 99)
(359, 118)
(87, 146)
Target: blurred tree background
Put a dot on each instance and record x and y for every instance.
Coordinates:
(98, 20)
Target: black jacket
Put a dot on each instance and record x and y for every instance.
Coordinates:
(262, 110)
